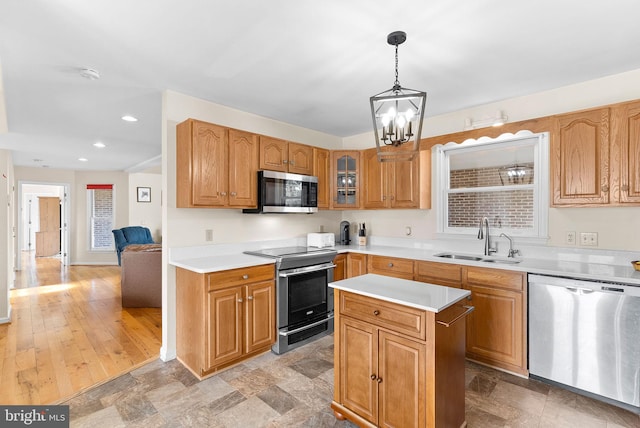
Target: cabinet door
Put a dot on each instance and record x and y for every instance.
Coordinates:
(345, 180)
(374, 190)
(401, 381)
(402, 184)
(340, 271)
(359, 368)
(356, 264)
(273, 154)
(300, 159)
(260, 322)
(322, 170)
(495, 333)
(580, 158)
(224, 327)
(630, 154)
(243, 169)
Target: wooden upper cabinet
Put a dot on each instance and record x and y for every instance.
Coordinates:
(345, 179)
(284, 156)
(201, 170)
(626, 153)
(243, 169)
(580, 158)
(322, 170)
(389, 184)
(274, 154)
(300, 159)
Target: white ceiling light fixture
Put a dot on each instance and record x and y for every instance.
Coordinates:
(99, 145)
(129, 118)
(498, 119)
(398, 112)
(83, 159)
(89, 73)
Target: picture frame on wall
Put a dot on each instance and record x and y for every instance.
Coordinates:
(144, 194)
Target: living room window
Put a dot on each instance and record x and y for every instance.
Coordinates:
(101, 216)
(503, 179)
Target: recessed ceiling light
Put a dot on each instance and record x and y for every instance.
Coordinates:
(99, 145)
(89, 73)
(37, 160)
(128, 118)
(83, 159)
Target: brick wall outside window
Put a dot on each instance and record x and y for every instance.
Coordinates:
(509, 209)
(102, 219)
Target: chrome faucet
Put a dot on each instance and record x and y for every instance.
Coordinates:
(484, 234)
(512, 252)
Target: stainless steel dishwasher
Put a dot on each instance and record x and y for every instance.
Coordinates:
(586, 335)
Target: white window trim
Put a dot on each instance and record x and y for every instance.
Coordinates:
(540, 232)
(90, 249)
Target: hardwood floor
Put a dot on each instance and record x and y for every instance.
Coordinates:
(69, 332)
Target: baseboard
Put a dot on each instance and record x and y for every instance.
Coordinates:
(167, 354)
(93, 263)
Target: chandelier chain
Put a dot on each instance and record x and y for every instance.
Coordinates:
(397, 82)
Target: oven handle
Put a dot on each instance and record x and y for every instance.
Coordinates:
(300, 271)
(308, 326)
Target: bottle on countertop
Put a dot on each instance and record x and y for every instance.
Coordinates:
(362, 236)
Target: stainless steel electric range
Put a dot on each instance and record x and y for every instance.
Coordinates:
(304, 301)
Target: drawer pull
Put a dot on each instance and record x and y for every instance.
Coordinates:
(469, 309)
(376, 312)
(379, 380)
(240, 300)
(250, 298)
(245, 276)
(373, 377)
(390, 264)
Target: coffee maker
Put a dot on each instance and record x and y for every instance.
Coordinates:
(344, 233)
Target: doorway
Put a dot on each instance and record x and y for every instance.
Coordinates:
(44, 233)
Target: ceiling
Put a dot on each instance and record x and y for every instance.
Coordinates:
(312, 64)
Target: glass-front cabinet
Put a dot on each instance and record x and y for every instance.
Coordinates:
(345, 167)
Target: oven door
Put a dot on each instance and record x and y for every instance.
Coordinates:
(304, 304)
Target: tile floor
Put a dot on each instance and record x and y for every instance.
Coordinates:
(295, 390)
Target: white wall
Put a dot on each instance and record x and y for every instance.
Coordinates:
(7, 222)
(613, 224)
(147, 214)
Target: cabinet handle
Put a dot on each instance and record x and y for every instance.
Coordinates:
(233, 193)
(292, 163)
(240, 300)
(469, 309)
(390, 264)
(223, 193)
(605, 188)
(384, 198)
(376, 312)
(285, 161)
(373, 377)
(245, 276)
(625, 187)
(249, 297)
(379, 380)
(392, 197)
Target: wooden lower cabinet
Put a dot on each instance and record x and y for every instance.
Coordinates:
(496, 330)
(387, 379)
(356, 264)
(390, 266)
(340, 271)
(224, 317)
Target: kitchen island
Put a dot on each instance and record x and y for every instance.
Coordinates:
(399, 352)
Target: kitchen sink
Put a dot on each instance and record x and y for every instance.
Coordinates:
(477, 258)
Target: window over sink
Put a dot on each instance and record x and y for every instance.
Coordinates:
(505, 179)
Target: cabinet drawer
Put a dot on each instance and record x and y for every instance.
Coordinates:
(233, 277)
(399, 318)
(439, 273)
(495, 278)
(391, 266)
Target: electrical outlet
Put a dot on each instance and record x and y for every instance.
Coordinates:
(208, 235)
(570, 238)
(589, 239)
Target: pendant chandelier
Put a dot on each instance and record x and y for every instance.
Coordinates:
(397, 116)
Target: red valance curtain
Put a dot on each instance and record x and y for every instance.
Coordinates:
(99, 186)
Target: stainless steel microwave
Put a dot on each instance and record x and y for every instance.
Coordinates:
(281, 192)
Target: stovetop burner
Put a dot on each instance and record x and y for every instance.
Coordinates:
(294, 257)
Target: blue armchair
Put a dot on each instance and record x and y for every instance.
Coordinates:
(131, 235)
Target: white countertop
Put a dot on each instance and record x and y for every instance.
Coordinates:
(429, 297)
(217, 258)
